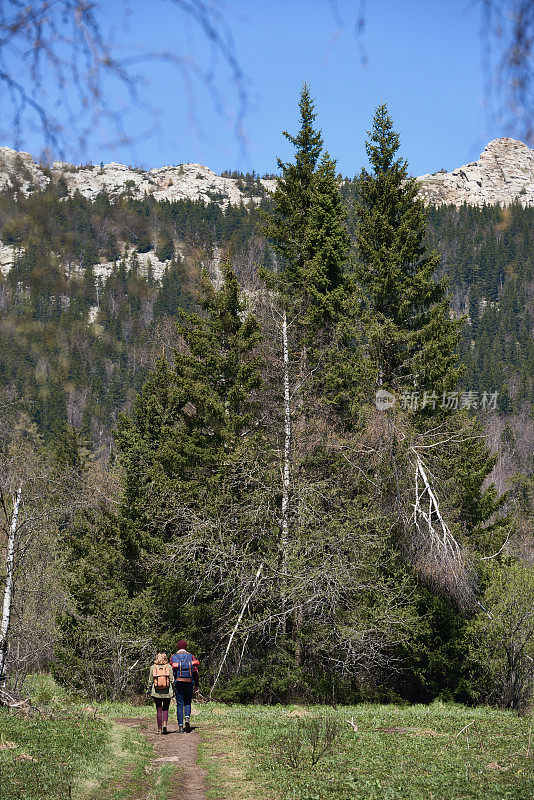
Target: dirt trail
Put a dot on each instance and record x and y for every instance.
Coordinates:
(180, 750)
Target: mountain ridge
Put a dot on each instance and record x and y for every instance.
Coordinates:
(503, 174)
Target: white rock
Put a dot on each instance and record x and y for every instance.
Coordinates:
(20, 167)
(503, 174)
(92, 315)
(185, 181)
(7, 258)
(104, 268)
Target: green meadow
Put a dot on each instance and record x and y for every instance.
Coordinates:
(67, 749)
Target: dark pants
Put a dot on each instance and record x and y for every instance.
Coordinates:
(162, 710)
(184, 694)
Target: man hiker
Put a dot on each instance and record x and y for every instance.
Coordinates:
(185, 668)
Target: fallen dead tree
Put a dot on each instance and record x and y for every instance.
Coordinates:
(435, 552)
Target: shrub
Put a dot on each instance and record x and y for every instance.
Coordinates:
(306, 742)
(502, 635)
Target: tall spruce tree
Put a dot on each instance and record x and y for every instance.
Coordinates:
(292, 201)
(413, 337)
(307, 228)
(301, 294)
(326, 249)
(413, 342)
(329, 552)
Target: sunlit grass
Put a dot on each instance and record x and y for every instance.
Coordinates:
(42, 757)
(417, 752)
(436, 752)
(68, 747)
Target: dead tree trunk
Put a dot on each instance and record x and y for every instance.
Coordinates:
(438, 556)
(8, 591)
(236, 626)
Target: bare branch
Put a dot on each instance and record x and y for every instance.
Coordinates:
(58, 61)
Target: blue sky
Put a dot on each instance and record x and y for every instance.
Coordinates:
(423, 59)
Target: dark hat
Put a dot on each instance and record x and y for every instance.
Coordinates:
(181, 645)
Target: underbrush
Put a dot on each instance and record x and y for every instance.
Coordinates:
(370, 752)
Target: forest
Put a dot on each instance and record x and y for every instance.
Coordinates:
(204, 451)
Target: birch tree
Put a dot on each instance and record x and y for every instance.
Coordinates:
(38, 495)
(10, 569)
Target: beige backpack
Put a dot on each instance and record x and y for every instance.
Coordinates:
(162, 677)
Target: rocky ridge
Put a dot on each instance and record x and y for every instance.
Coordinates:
(503, 174)
(184, 181)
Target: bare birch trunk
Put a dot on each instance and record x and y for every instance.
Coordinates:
(286, 474)
(8, 591)
(298, 614)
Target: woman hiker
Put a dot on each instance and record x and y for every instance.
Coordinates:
(161, 689)
(185, 667)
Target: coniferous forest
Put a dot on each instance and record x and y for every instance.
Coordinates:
(205, 451)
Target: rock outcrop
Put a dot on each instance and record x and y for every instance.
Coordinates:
(185, 181)
(19, 167)
(503, 174)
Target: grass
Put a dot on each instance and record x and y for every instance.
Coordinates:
(74, 750)
(228, 760)
(396, 752)
(122, 773)
(43, 756)
(436, 752)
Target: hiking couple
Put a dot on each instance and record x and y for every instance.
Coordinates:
(177, 679)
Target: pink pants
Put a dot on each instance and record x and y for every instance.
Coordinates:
(162, 710)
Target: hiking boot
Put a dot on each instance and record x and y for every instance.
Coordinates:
(187, 725)
(165, 730)
(159, 731)
(181, 729)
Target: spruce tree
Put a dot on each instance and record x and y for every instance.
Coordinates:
(186, 536)
(325, 541)
(413, 342)
(198, 491)
(292, 200)
(189, 415)
(307, 228)
(413, 338)
(326, 249)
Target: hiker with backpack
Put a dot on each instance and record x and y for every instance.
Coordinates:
(160, 687)
(185, 668)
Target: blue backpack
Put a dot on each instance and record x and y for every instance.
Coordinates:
(182, 664)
